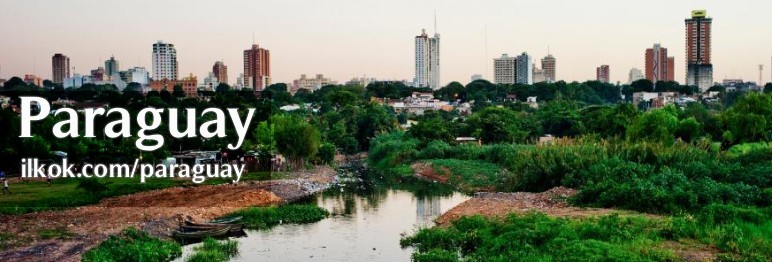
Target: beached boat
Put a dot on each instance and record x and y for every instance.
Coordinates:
(227, 220)
(216, 232)
(194, 227)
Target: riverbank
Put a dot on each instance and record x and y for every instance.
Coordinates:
(156, 212)
(498, 205)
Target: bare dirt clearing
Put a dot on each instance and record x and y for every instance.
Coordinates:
(156, 212)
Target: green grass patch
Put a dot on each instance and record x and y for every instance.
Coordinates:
(55, 233)
(133, 245)
(267, 217)
(746, 148)
(737, 232)
(214, 251)
(34, 196)
(469, 175)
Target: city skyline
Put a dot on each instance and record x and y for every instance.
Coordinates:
(367, 39)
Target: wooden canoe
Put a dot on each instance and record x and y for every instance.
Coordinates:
(194, 227)
(227, 220)
(217, 232)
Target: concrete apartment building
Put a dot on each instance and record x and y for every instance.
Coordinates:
(257, 68)
(659, 66)
(165, 65)
(60, 65)
(427, 61)
(603, 74)
(699, 69)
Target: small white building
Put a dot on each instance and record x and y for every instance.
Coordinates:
(210, 82)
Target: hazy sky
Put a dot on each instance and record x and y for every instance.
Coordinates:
(347, 38)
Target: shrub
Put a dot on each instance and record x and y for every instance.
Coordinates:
(537, 237)
(326, 153)
(387, 151)
(267, 217)
(214, 251)
(436, 255)
(722, 214)
(435, 150)
(133, 245)
(92, 185)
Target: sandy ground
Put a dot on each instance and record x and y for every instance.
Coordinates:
(154, 211)
(552, 202)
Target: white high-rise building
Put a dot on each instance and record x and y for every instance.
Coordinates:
(635, 75)
(427, 60)
(505, 69)
(164, 61)
(524, 70)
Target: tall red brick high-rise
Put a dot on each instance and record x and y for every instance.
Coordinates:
(699, 69)
(603, 73)
(659, 66)
(257, 68)
(61, 68)
(220, 71)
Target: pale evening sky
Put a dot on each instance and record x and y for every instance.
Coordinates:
(351, 38)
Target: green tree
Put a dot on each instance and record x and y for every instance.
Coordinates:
(326, 153)
(643, 85)
(452, 92)
(222, 88)
(688, 129)
(709, 121)
(374, 120)
(431, 130)
(35, 147)
(177, 91)
(609, 121)
(497, 125)
(749, 119)
(296, 139)
(657, 126)
(264, 136)
(561, 118)
(14, 82)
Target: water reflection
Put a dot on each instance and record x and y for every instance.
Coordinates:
(366, 223)
(427, 209)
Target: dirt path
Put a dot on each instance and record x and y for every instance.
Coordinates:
(154, 211)
(552, 202)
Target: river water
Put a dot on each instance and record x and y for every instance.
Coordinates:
(366, 223)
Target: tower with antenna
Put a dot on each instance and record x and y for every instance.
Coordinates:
(761, 72)
(427, 59)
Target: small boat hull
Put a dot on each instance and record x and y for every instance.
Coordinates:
(228, 220)
(195, 227)
(197, 235)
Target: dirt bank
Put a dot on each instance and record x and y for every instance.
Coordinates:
(153, 211)
(552, 202)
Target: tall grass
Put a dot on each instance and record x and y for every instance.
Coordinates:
(537, 237)
(267, 217)
(133, 245)
(214, 251)
(642, 176)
